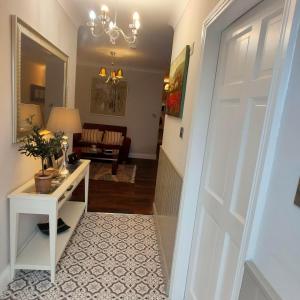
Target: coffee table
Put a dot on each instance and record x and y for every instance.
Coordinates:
(98, 154)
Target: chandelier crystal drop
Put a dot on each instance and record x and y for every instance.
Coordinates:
(103, 23)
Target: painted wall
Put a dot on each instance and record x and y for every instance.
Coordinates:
(278, 244)
(187, 32)
(16, 169)
(142, 108)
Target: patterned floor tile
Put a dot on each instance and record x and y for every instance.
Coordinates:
(109, 256)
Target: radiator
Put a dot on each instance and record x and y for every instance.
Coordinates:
(166, 207)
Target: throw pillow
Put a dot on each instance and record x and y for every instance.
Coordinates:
(113, 138)
(91, 136)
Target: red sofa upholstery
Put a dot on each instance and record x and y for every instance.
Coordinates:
(123, 149)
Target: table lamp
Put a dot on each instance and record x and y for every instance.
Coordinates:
(66, 120)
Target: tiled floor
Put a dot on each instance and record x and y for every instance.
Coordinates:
(110, 256)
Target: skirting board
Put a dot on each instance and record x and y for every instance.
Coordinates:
(143, 155)
(4, 278)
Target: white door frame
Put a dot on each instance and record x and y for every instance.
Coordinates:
(225, 13)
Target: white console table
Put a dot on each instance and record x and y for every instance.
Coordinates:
(43, 252)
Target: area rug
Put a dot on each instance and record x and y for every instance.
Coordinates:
(109, 257)
(102, 171)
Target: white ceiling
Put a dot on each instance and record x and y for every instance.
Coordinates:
(154, 44)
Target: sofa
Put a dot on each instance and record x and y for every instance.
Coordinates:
(102, 142)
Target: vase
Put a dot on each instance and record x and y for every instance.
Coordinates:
(43, 182)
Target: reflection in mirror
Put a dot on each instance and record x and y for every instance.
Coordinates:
(39, 70)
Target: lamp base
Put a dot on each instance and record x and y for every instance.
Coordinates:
(64, 171)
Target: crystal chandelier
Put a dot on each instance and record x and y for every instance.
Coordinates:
(104, 24)
(114, 75)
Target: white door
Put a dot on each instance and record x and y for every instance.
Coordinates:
(247, 53)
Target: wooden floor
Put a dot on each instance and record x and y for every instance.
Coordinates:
(120, 197)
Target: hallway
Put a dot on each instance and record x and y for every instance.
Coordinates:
(110, 256)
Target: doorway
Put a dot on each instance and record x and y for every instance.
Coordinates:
(225, 13)
(241, 99)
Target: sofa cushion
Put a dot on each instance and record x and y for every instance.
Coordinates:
(112, 138)
(91, 136)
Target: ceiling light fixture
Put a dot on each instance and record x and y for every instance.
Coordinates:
(104, 24)
(166, 83)
(114, 75)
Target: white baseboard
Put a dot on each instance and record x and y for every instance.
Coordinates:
(143, 155)
(4, 278)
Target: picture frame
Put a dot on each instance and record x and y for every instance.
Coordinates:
(108, 99)
(37, 94)
(178, 78)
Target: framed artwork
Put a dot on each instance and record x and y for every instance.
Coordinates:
(108, 99)
(178, 77)
(37, 94)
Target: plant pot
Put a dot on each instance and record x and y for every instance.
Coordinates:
(43, 182)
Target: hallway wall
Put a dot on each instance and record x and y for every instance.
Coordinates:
(187, 31)
(49, 19)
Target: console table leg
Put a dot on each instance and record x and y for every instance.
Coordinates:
(14, 230)
(114, 168)
(53, 234)
(86, 188)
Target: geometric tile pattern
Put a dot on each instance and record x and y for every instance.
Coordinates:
(109, 257)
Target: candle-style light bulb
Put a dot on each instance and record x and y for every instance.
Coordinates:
(137, 24)
(111, 25)
(135, 16)
(104, 8)
(92, 15)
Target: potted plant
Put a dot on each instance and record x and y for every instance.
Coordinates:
(41, 144)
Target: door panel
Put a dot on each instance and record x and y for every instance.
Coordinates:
(256, 114)
(227, 269)
(236, 53)
(210, 244)
(269, 39)
(225, 138)
(243, 78)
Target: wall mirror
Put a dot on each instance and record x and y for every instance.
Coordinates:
(39, 71)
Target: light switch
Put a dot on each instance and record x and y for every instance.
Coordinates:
(297, 196)
(181, 132)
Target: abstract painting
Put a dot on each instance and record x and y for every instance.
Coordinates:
(178, 77)
(108, 99)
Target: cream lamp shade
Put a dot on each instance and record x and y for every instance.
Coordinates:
(120, 74)
(29, 111)
(64, 119)
(102, 72)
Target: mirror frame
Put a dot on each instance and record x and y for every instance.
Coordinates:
(19, 27)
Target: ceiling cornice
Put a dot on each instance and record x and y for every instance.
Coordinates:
(71, 12)
(178, 12)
